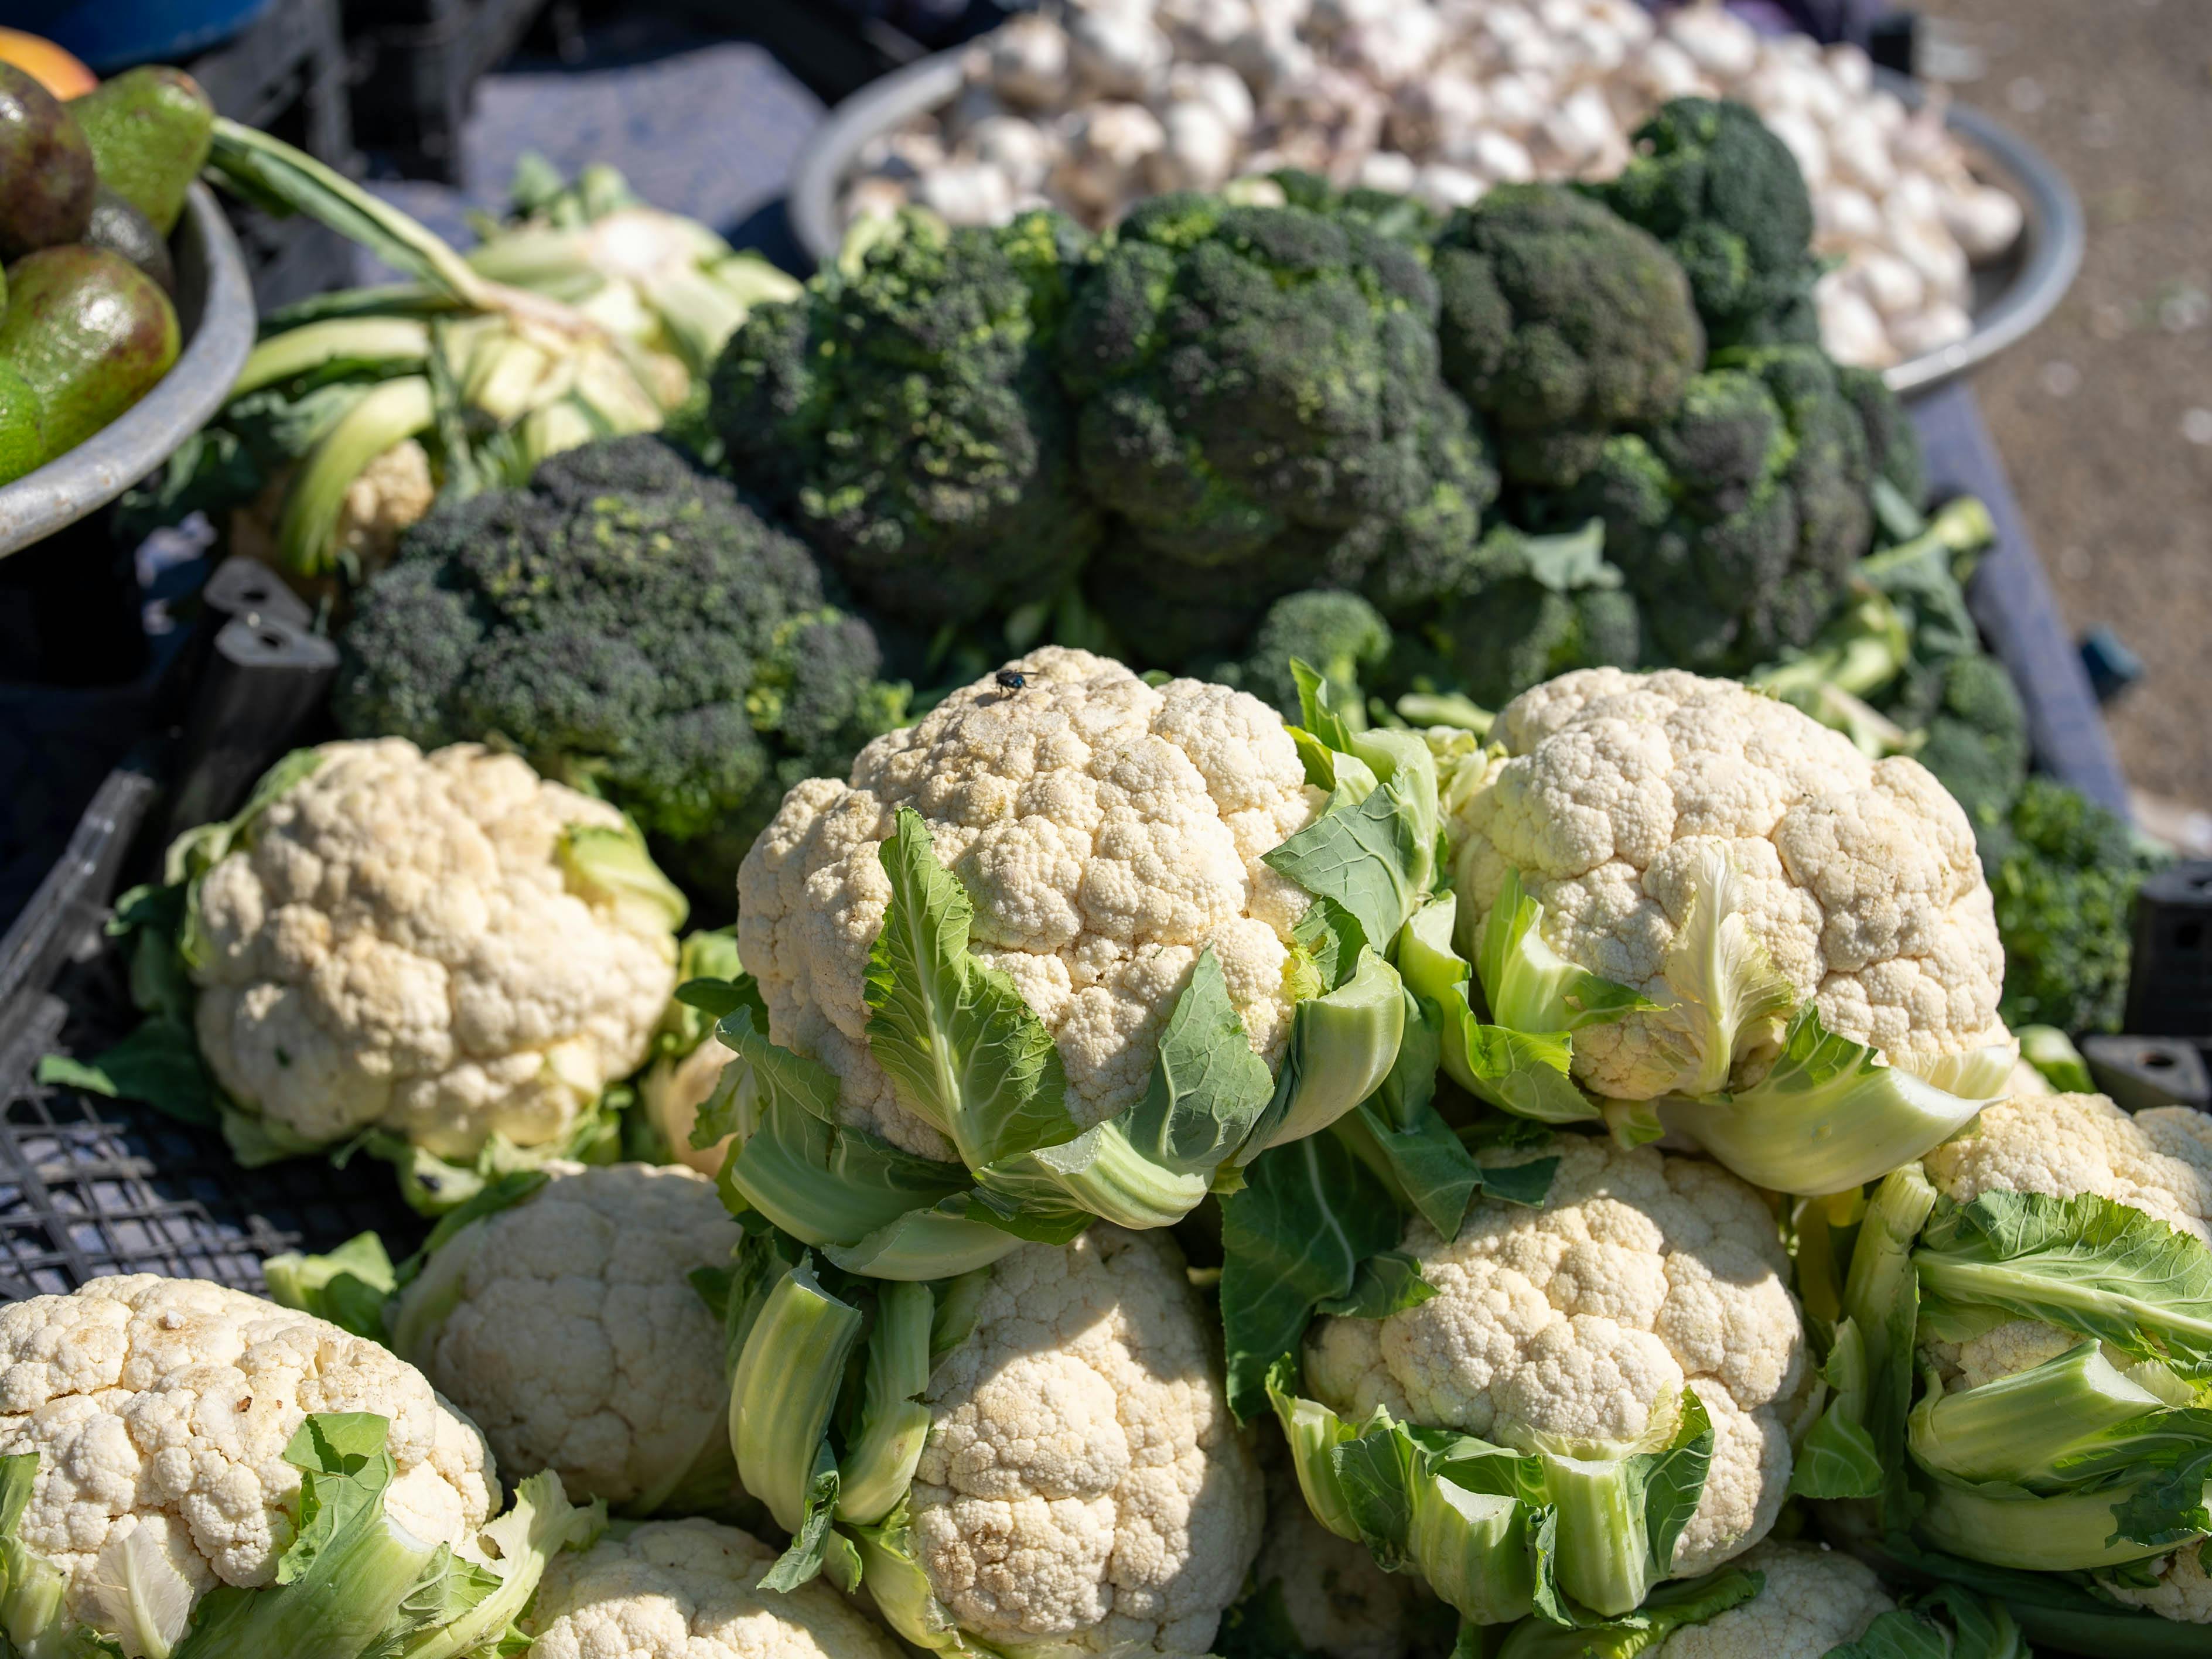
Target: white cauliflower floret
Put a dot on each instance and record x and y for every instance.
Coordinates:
(575, 1339)
(2159, 1161)
(2183, 1592)
(1084, 1482)
(1859, 877)
(167, 1403)
(1106, 831)
(1579, 1324)
(1814, 1601)
(690, 1589)
(398, 947)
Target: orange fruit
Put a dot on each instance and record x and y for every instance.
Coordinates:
(47, 63)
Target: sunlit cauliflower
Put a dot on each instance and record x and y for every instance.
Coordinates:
(1576, 1325)
(567, 1328)
(1857, 876)
(1106, 830)
(690, 1589)
(166, 1404)
(1084, 1481)
(1813, 1603)
(418, 943)
(2159, 1161)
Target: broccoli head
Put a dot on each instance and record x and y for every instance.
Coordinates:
(1534, 607)
(1893, 441)
(633, 627)
(1726, 197)
(1259, 405)
(1560, 323)
(903, 412)
(2063, 872)
(1976, 741)
(1737, 521)
(1339, 635)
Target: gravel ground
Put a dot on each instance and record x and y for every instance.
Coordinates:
(2105, 415)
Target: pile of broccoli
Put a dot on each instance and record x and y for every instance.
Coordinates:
(632, 627)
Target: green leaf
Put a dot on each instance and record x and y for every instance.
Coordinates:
(2084, 1264)
(1387, 1282)
(1375, 1471)
(802, 1558)
(349, 1286)
(612, 867)
(1679, 1604)
(1374, 856)
(1728, 993)
(1527, 986)
(1529, 1073)
(1674, 1479)
(1294, 1236)
(955, 1036)
(1882, 1300)
(1838, 1458)
(1427, 1167)
(1207, 1087)
(1343, 1045)
(790, 1369)
(158, 1064)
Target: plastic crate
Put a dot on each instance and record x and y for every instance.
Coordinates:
(415, 65)
(288, 76)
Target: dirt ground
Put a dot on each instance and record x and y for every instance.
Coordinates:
(2105, 415)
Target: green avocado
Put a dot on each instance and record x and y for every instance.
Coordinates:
(121, 228)
(90, 332)
(150, 130)
(47, 177)
(23, 426)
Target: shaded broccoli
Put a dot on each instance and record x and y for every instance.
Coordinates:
(1893, 441)
(1339, 635)
(903, 412)
(1737, 521)
(1540, 606)
(2063, 872)
(1726, 197)
(1560, 323)
(1976, 741)
(632, 627)
(1260, 406)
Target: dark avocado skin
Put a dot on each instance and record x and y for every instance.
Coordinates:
(148, 130)
(121, 228)
(90, 333)
(46, 173)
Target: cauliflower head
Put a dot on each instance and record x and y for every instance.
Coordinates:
(2182, 1591)
(690, 1589)
(2159, 1161)
(164, 1406)
(566, 1328)
(672, 1092)
(1577, 1326)
(1858, 877)
(1106, 830)
(1814, 1601)
(1084, 1482)
(399, 944)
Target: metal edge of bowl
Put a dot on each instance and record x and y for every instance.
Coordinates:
(2052, 232)
(146, 433)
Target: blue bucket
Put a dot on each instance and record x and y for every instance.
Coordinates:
(115, 34)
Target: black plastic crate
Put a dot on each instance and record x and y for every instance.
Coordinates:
(287, 74)
(415, 67)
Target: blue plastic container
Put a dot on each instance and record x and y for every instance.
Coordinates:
(116, 34)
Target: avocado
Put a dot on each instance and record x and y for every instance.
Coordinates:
(121, 228)
(91, 334)
(23, 426)
(149, 132)
(46, 176)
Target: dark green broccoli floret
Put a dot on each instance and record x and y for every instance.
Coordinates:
(1977, 742)
(1560, 323)
(1893, 441)
(631, 626)
(1542, 605)
(1339, 635)
(2063, 872)
(1727, 199)
(1738, 520)
(1260, 406)
(903, 412)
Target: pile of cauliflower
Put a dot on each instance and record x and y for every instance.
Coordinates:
(1090, 106)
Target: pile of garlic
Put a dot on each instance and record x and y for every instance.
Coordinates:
(1096, 103)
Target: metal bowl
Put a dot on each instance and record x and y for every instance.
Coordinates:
(215, 308)
(2011, 294)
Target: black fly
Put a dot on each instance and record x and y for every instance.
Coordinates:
(1012, 679)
